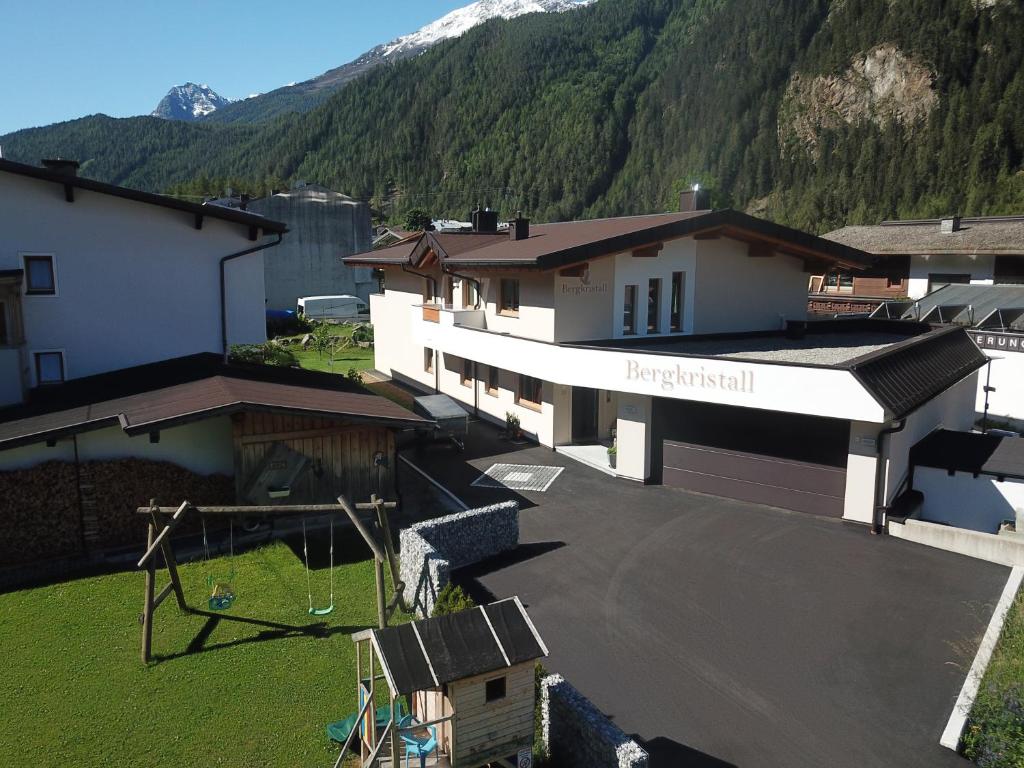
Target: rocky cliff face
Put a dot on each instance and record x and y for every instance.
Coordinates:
(883, 86)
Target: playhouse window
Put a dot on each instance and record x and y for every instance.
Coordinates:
(494, 689)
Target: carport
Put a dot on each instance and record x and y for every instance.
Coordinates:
(787, 460)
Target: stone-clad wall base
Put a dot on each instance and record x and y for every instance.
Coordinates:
(578, 735)
(432, 549)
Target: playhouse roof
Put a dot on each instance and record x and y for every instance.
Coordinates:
(431, 652)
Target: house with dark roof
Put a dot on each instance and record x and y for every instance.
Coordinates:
(682, 340)
(910, 259)
(994, 318)
(95, 277)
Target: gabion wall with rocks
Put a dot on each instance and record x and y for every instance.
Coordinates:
(430, 550)
(576, 734)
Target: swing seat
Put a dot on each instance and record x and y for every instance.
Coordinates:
(321, 611)
(222, 597)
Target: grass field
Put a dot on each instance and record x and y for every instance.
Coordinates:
(995, 732)
(340, 361)
(219, 692)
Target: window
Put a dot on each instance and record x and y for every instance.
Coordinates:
(492, 380)
(428, 360)
(654, 305)
(531, 392)
(39, 276)
(676, 316)
(509, 299)
(49, 367)
(834, 280)
(428, 292)
(629, 311)
(4, 340)
(494, 689)
(467, 373)
(936, 281)
(449, 291)
(468, 293)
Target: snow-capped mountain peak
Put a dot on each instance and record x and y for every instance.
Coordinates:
(463, 19)
(189, 102)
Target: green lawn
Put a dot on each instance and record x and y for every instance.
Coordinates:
(995, 732)
(337, 362)
(219, 692)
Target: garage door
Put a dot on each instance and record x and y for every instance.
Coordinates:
(777, 482)
(782, 460)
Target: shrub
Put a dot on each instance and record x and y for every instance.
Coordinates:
(363, 333)
(452, 599)
(354, 376)
(262, 354)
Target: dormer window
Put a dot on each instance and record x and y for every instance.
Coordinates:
(40, 279)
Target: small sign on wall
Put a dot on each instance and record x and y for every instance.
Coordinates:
(525, 758)
(632, 411)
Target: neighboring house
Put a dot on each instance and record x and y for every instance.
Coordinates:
(324, 226)
(96, 277)
(995, 316)
(684, 336)
(913, 258)
(77, 460)
(385, 236)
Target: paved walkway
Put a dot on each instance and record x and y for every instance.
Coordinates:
(723, 633)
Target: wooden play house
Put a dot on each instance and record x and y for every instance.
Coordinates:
(468, 679)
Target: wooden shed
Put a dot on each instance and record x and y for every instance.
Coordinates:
(468, 679)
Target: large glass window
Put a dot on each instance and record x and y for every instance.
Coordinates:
(676, 310)
(39, 276)
(531, 391)
(428, 292)
(509, 299)
(467, 373)
(468, 294)
(449, 291)
(492, 380)
(428, 360)
(654, 305)
(629, 311)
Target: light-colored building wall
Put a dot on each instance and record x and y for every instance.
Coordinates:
(136, 283)
(584, 304)
(676, 256)
(1006, 375)
(204, 447)
(536, 318)
(633, 435)
(981, 268)
(965, 501)
(735, 292)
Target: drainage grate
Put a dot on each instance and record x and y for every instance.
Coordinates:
(518, 477)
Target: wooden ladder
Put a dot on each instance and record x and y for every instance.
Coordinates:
(87, 506)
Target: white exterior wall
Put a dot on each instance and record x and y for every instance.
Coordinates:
(861, 472)
(204, 447)
(633, 436)
(392, 313)
(675, 256)
(736, 292)
(136, 283)
(536, 319)
(964, 501)
(585, 306)
(1007, 376)
(981, 268)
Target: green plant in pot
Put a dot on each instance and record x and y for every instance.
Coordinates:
(613, 452)
(512, 429)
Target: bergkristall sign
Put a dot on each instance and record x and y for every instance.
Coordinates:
(673, 376)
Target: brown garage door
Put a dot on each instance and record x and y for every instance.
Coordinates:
(778, 482)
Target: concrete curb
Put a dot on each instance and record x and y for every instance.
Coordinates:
(958, 719)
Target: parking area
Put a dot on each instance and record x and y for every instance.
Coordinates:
(726, 633)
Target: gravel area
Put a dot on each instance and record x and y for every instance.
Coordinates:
(822, 349)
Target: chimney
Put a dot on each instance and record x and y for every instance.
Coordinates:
(948, 226)
(695, 199)
(519, 228)
(63, 167)
(485, 220)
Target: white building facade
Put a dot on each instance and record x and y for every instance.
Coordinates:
(95, 278)
(682, 338)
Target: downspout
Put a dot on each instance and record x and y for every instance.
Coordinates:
(876, 521)
(474, 281)
(223, 288)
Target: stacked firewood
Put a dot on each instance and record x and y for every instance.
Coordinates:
(39, 513)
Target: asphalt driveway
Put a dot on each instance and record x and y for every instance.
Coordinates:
(724, 633)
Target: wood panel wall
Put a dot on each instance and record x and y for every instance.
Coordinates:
(484, 731)
(341, 456)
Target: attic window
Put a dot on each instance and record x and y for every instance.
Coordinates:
(494, 690)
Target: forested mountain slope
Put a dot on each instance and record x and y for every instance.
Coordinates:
(809, 112)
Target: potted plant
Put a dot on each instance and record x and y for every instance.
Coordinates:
(512, 429)
(613, 451)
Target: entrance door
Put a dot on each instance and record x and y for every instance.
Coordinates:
(584, 415)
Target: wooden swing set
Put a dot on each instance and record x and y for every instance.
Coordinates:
(163, 521)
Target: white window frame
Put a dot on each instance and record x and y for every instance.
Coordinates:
(35, 368)
(22, 255)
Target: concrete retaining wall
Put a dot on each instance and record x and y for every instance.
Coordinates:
(432, 549)
(1003, 549)
(576, 734)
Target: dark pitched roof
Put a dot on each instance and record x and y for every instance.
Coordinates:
(431, 652)
(971, 452)
(1002, 235)
(907, 375)
(77, 182)
(161, 395)
(551, 246)
(969, 305)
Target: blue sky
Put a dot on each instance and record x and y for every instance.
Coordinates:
(69, 58)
